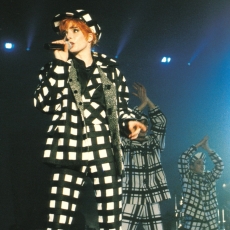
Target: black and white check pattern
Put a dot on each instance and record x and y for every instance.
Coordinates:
(77, 14)
(70, 132)
(199, 191)
(194, 224)
(80, 138)
(66, 187)
(145, 181)
(144, 184)
(149, 215)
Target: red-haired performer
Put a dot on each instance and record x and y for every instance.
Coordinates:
(199, 187)
(87, 96)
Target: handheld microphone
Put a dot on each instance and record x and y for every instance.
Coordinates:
(55, 46)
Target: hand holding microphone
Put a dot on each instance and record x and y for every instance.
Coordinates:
(60, 49)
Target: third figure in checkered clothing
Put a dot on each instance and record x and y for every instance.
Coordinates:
(144, 184)
(199, 187)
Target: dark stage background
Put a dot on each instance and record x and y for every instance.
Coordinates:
(195, 98)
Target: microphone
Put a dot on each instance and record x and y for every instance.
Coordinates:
(54, 46)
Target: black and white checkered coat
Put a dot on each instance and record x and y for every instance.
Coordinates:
(145, 180)
(59, 94)
(199, 191)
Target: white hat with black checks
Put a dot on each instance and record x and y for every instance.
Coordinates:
(78, 14)
(197, 156)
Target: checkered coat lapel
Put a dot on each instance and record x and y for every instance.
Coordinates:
(76, 87)
(111, 105)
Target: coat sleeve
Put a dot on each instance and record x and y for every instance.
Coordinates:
(218, 166)
(157, 127)
(183, 162)
(50, 90)
(124, 112)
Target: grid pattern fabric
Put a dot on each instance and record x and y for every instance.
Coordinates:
(149, 215)
(74, 122)
(194, 224)
(66, 186)
(199, 191)
(145, 181)
(78, 14)
(80, 138)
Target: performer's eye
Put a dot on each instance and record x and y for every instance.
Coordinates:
(75, 30)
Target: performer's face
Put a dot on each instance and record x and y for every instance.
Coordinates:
(77, 39)
(198, 166)
(68, 23)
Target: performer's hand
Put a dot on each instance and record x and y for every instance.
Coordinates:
(62, 54)
(203, 143)
(135, 128)
(140, 92)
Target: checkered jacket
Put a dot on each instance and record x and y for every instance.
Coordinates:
(199, 191)
(145, 180)
(59, 94)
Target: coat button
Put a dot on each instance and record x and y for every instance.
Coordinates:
(80, 103)
(70, 80)
(75, 91)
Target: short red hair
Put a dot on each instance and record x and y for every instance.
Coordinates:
(71, 22)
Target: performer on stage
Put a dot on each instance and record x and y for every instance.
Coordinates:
(144, 184)
(87, 96)
(199, 187)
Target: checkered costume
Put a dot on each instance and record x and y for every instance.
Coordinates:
(144, 184)
(199, 192)
(83, 139)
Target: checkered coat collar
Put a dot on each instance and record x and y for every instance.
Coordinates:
(103, 61)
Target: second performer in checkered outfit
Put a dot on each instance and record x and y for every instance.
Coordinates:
(87, 97)
(144, 184)
(199, 187)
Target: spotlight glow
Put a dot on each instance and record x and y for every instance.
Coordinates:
(166, 59)
(9, 45)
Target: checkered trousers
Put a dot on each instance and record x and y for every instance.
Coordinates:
(199, 191)
(195, 224)
(149, 215)
(66, 187)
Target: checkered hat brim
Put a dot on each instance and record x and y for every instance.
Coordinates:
(78, 14)
(197, 156)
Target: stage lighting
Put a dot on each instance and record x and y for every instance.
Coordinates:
(166, 59)
(9, 45)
